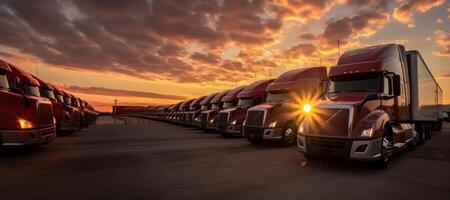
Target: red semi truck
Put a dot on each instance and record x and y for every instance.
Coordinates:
(26, 118)
(211, 114)
(379, 100)
(194, 111)
(278, 118)
(205, 105)
(231, 119)
(65, 113)
(184, 109)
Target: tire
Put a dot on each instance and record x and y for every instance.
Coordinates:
(289, 135)
(254, 140)
(439, 126)
(386, 150)
(428, 131)
(421, 133)
(1, 144)
(415, 142)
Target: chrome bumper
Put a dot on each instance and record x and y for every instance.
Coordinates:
(364, 150)
(28, 137)
(231, 130)
(262, 133)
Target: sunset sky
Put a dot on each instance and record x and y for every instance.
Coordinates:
(145, 52)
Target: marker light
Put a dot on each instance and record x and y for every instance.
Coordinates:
(307, 108)
(24, 124)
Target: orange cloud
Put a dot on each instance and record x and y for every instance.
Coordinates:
(406, 11)
(442, 39)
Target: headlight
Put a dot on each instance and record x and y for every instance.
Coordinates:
(25, 124)
(233, 122)
(211, 121)
(368, 132)
(306, 108)
(301, 128)
(273, 124)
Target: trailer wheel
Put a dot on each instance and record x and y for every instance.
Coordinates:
(288, 135)
(439, 125)
(420, 128)
(386, 150)
(1, 143)
(428, 131)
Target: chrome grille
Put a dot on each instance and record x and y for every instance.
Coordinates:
(330, 122)
(255, 118)
(45, 115)
(204, 119)
(222, 121)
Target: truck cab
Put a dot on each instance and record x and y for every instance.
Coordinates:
(205, 105)
(277, 119)
(368, 111)
(231, 119)
(27, 118)
(194, 111)
(184, 112)
(211, 114)
(75, 114)
(65, 115)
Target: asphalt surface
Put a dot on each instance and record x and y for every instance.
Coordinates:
(144, 159)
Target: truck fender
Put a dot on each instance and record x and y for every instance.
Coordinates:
(9, 120)
(377, 119)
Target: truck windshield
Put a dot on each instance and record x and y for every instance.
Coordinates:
(370, 82)
(279, 96)
(67, 101)
(31, 90)
(215, 106)
(228, 104)
(48, 94)
(3, 81)
(245, 102)
(60, 98)
(204, 107)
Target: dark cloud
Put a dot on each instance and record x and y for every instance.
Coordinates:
(301, 50)
(121, 93)
(145, 39)
(406, 11)
(371, 16)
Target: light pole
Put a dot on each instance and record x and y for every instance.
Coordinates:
(115, 107)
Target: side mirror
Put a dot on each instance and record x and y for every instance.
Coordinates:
(396, 85)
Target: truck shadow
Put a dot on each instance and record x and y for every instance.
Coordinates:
(13, 152)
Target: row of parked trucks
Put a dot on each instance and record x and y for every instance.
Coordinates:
(375, 102)
(33, 111)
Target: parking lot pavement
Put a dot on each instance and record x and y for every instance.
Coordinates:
(144, 159)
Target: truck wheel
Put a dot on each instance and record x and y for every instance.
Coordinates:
(254, 140)
(415, 140)
(386, 150)
(439, 125)
(420, 128)
(288, 135)
(428, 131)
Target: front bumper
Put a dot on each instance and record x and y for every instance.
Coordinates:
(28, 137)
(231, 129)
(211, 126)
(262, 133)
(364, 150)
(70, 126)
